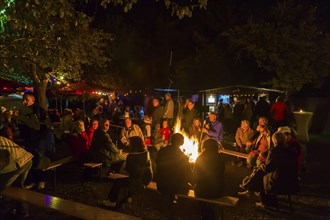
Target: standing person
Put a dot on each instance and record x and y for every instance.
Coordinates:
(214, 128)
(173, 168)
(130, 130)
(15, 163)
(157, 112)
(103, 150)
(228, 119)
(138, 168)
(278, 111)
(220, 110)
(262, 108)
(38, 138)
(208, 175)
(189, 115)
(169, 109)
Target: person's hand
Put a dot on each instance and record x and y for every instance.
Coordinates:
(207, 127)
(248, 144)
(204, 130)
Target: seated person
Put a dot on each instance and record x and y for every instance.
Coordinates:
(243, 142)
(78, 140)
(165, 131)
(146, 129)
(129, 130)
(157, 138)
(261, 146)
(103, 150)
(281, 172)
(208, 175)
(173, 168)
(138, 169)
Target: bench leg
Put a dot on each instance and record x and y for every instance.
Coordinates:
(100, 173)
(54, 173)
(290, 203)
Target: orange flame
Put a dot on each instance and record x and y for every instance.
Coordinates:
(190, 146)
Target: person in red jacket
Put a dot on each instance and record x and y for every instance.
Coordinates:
(278, 112)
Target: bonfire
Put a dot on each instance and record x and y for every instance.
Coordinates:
(190, 146)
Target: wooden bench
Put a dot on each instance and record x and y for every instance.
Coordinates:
(92, 165)
(65, 206)
(114, 176)
(53, 165)
(222, 201)
(234, 153)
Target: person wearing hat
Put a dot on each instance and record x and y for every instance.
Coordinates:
(214, 128)
(281, 174)
(292, 143)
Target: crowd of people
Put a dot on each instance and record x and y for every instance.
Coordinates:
(146, 149)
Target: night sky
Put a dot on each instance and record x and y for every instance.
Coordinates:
(201, 56)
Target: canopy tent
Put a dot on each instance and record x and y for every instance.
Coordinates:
(7, 86)
(11, 101)
(77, 88)
(240, 90)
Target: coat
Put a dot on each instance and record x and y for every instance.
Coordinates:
(281, 171)
(208, 175)
(103, 150)
(173, 170)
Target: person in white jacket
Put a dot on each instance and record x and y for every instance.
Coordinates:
(15, 163)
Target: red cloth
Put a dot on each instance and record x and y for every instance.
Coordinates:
(90, 133)
(278, 110)
(165, 132)
(78, 144)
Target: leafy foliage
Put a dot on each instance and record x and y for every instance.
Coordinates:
(179, 10)
(53, 36)
(288, 43)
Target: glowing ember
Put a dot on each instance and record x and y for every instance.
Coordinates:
(190, 146)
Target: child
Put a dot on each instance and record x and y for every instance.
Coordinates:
(157, 138)
(146, 129)
(165, 131)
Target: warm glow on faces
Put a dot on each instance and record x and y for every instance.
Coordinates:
(212, 117)
(28, 100)
(106, 125)
(95, 124)
(128, 122)
(155, 102)
(190, 105)
(165, 124)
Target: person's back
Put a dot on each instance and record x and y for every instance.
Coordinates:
(209, 171)
(282, 171)
(173, 168)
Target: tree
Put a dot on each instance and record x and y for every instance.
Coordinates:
(289, 44)
(49, 38)
(180, 10)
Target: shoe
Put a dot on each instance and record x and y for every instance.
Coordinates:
(257, 194)
(41, 185)
(260, 205)
(30, 186)
(129, 200)
(244, 193)
(108, 203)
